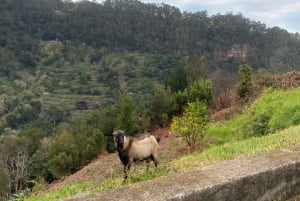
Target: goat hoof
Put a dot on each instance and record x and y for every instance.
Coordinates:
(124, 181)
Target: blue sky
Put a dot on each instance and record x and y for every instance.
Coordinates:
(282, 13)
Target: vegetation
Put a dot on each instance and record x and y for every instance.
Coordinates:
(227, 151)
(192, 125)
(162, 105)
(200, 90)
(72, 72)
(274, 111)
(245, 80)
(248, 147)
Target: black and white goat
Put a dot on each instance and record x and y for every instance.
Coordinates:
(132, 150)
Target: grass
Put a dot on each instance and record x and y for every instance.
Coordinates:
(274, 111)
(60, 194)
(113, 181)
(216, 153)
(248, 147)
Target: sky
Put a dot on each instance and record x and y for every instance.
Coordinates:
(282, 13)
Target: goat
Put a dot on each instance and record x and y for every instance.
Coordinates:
(132, 150)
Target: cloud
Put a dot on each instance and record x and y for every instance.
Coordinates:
(282, 14)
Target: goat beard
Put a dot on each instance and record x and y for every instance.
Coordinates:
(123, 156)
(120, 147)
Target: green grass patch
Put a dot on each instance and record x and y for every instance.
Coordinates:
(248, 147)
(60, 194)
(273, 111)
(216, 153)
(111, 182)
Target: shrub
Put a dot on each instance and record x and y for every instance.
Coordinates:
(192, 125)
(162, 103)
(126, 116)
(288, 115)
(38, 167)
(200, 90)
(245, 80)
(63, 155)
(177, 80)
(4, 187)
(181, 98)
(89, 139)
(260, 124)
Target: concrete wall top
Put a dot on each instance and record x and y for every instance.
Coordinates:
(273, 176)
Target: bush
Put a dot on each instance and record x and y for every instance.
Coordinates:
(38, 167)
(4, 187)
(245, 80)
(260, 125)
(181, 98)
(288, 115)
(177, 80)
(89, 140)
(200, 90)
(126, 116)
(63, 155)
(162, 103)
(192, 125)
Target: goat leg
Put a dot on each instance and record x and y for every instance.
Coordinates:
(125, 173)
(155, 162)
(148, 164)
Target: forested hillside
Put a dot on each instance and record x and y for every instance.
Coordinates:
(128, 25)
(71, 72)
(76, 55)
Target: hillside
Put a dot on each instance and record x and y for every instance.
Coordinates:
(106, 172)
(72, 57)
(90, 179)
(107, 164)
(73, 72)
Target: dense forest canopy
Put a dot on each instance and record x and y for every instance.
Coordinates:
(74, 71)
(129, 25)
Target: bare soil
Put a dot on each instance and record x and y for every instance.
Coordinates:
(99, 169)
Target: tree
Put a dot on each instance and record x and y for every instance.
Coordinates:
(4, 187)
(200, 90)
(192, 125)
(38, 167)
(8, 64)
(177, 80)
(63, 155)
(197, 67)
(162, 104)
(14, 162)
(127, 114)
(88, 137)
(244, 80)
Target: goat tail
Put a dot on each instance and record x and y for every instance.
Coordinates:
(157, 139)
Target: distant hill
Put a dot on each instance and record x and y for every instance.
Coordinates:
(76, 56)
(72, 72)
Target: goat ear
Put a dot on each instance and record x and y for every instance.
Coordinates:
(114, 133)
